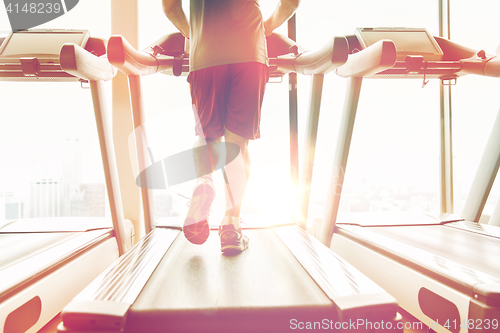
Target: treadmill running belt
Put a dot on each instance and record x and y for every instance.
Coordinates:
(469, 248)
(262, 289)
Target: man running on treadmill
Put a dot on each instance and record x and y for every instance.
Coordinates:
(228, 74)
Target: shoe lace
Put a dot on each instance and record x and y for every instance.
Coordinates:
(189, 200)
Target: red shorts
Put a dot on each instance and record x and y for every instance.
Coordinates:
(228, 97)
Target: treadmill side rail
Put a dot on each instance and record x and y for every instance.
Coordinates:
(103, 315)
(485, 316)
(354, 295)
(488, 293)
(105, 302)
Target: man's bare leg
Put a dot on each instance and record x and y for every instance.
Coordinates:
(196, 226)
(237, 174)
(206, 159)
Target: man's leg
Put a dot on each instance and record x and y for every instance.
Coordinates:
(246, 92)
(207, 94)
(196, 226)
(206, 159)
(236, 176)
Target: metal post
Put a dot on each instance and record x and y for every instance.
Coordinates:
(495, 216)
(141, 146)
(444, 19)
(293, 115)
(340, 158)
(109, 164)
(446, 165)
(310, 148)
(125, 22)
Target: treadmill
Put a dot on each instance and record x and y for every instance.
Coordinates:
(443, 270)
(285, 280)
(45, 262)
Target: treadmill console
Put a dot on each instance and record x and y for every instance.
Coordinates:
(34, 54)
(408, 41)
(42, 44)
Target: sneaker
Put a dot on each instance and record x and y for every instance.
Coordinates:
(196, 227)
(232, 241)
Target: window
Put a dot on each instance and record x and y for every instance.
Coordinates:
(395, 151)
(51, 164)
(475, 98)
(394, 157)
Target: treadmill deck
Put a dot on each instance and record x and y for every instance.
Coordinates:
(468, 248)
(455, 253)
(196, 287)
(285, 279)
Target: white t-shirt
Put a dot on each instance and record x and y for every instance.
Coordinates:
(226, 32)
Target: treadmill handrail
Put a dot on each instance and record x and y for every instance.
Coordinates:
(457, 61)
(372, 60)
(328, 58)
(83, 64)
(490, 66)
(130, 61)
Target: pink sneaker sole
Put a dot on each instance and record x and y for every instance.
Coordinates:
(196, 228)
